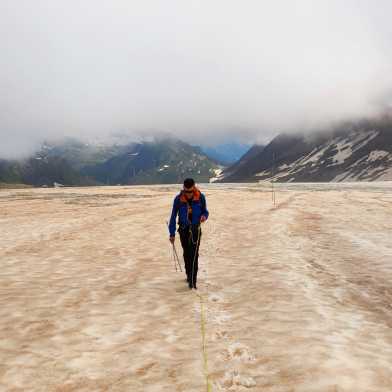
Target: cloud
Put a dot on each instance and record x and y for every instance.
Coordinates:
(204, 70)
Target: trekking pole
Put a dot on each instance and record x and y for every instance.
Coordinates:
(177, 258)
(174, 259)
(175, 255)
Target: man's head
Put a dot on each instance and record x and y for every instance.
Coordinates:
(189, 184)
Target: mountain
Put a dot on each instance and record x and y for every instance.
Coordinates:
(359, 151)
(79, 154)
(161, 161)
(226, 153)
(10, 172)
(39, 171)
(241, 168)
(164, 160)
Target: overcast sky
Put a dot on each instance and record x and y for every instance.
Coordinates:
(206, 70)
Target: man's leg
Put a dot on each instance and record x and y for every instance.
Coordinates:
(196, 237)
(185, 243)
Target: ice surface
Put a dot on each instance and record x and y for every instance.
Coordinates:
(296, 297)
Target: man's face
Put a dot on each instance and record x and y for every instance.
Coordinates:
(188, 192)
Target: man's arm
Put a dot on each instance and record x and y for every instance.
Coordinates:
(204, 211)
(172, 224)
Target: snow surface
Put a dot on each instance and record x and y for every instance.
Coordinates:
(296, 296)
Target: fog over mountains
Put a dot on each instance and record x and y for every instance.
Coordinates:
(117, 77)
(351, 151)
(207, 71)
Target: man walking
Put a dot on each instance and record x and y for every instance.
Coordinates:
(191, 207)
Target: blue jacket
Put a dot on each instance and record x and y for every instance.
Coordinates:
(180, 207)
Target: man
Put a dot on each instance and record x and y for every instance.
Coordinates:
(191, 207)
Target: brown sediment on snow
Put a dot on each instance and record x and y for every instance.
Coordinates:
(297, 297)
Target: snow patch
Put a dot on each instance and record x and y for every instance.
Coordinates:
(376, 155)
(356, 163)
(163, 168)
(386, 175)
(348, 145)
(363, 139)
(263, 173)
(344, 151)
(217, 175)
(313, 157)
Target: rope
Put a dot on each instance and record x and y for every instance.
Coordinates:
(202, 319)
(202, 310)
(203, 343)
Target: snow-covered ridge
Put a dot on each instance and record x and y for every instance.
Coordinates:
(350, 156)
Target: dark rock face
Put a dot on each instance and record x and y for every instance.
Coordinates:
(352, 152)
(159, 162)
(162, 161)
(40, 171)
(244, 167)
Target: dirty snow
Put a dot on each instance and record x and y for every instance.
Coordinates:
(297, 297)
(376, 155)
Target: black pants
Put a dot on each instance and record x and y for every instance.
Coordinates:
(190, 241)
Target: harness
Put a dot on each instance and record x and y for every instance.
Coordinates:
(196, 195)
(183, 199)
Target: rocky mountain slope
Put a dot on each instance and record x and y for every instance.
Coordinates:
(71, 162)
(161, 161)
(40, 171)
(352, 152)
